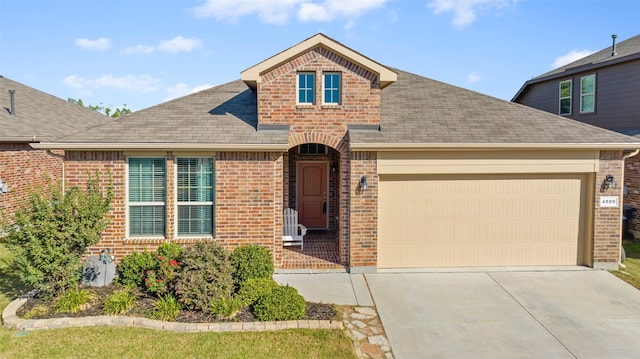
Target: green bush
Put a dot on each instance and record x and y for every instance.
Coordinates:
(51, 230)
(169, 250)
(74, 300)
(283, 303)
(252, 261)
(132, 268)
(254, 288)
(166, 308)
(226, 307)
(205, 275)
(119, 302)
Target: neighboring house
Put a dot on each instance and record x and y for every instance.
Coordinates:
(602, 89)
(30, 116)
(387, 169)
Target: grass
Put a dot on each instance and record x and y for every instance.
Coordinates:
(630, 274)
(117, 342)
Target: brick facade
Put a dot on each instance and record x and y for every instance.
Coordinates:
(607, 232)
(364, 210)
(23, 169)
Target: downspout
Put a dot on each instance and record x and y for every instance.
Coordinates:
(624, 158)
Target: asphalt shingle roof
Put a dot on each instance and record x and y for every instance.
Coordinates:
(225, 114)
(603, 57)
(41, 115)
(415, 110)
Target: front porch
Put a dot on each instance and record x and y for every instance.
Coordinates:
(321, 252)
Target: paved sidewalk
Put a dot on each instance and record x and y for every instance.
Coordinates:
(334, 288)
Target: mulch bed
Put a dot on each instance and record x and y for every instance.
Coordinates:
(144, 308)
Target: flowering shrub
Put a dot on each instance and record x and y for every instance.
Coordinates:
(160, 279)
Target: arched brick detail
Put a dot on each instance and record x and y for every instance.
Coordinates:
(339, 144)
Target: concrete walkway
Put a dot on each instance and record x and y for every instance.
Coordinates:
(508, 314)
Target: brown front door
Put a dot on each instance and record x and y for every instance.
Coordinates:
(312, 194)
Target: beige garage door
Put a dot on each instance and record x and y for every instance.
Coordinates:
(480, 220)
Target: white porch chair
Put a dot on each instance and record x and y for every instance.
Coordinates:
(292, 231)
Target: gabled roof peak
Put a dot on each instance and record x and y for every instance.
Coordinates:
(251, 76)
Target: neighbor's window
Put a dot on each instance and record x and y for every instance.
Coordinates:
(565, 97)
(306, 88)
(195, 196)
(147, 193)
(588, 93)
(332, 88)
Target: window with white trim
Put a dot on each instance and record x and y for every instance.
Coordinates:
(195, 191)
(147, 193)
(331, 88)
(565, 97)
(306, 88)
(588, 93)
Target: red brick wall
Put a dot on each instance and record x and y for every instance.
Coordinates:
(607, 231)
(23, 169)
(364, 210)
(277, 97)
(248, 199)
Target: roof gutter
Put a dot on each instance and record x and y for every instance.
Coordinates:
(163, 146)
(390, 147)
(18, 139)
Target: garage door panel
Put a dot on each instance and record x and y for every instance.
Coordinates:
(480, 220)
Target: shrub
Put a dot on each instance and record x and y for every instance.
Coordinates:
(205, 275)
(251, 261)
(132, 268)
(74, 300)
(226, 307)
(36, 311)
(166, 308)
(119, 302)
(159, 280)
(169, 250)
(283, 303)
(254, 288)
(51, 230)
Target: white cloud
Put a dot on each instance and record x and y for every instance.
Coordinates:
(474, 77)
(280, 11)
(99, 44)
(182, 89)
(143, 83)
(465, 12)
(269, 11)
(179, 44)
(570, 57)
(138, 49)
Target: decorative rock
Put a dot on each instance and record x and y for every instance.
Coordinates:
(358, 324)
(356, 334)
(372, 350)
(379, 340)
(367, 311)
(360, 316)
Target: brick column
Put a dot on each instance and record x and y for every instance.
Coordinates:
(364, 213)
(607, 232)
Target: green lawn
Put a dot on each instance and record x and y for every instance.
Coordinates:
(115, 342)
(630, 274)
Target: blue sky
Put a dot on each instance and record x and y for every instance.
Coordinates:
(144, 52)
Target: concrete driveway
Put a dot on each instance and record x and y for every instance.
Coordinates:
(508, 314)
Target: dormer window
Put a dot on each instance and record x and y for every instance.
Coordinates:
(306, 88)
(331, 88)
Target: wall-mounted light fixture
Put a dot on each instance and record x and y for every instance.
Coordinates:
(363, 183)
(3, 187)
(609, 182)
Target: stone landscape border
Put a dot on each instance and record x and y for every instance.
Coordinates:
(11, 320)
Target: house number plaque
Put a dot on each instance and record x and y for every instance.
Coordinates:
(609, 201)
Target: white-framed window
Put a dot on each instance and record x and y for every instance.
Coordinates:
(195, 196)
(565, 90)
(146, 197)
(588, 93)
(306, 88)
(312, 149)
(331, 88)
